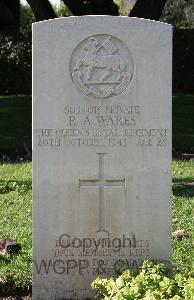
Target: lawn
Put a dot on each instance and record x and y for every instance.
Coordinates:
(15, 123)
(183, 209)
(16, 223)
(16, 196)
(15, 220)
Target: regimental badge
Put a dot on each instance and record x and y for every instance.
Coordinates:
(101, 66)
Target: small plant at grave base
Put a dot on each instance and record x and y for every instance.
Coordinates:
(151, 282)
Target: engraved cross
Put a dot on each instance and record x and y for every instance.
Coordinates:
(101, 183)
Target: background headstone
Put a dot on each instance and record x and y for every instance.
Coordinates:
(102, 150)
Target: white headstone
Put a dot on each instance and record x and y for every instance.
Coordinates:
(102, 150)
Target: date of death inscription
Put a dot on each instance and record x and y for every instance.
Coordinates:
(101, 126)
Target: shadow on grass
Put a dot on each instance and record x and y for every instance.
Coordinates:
(182, 122)
(182, 181)
(183, 191)
(181, 187)
(7, 186)
(15, 123)
(4, 259)
(10, 290)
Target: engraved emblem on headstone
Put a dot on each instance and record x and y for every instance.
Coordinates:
(101, 183)
(101, 66)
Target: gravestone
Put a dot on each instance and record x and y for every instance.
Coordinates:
(102, 150)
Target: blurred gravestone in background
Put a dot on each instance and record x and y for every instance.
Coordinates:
(9, 16)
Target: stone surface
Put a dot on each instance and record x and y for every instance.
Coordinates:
(102, 150)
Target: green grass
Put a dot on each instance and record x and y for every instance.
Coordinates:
(183, 122)
(15, 123)
(183, 211)
(15, 219)
(15, 222)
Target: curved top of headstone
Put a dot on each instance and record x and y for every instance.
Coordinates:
(104, 17)
(100, 50)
